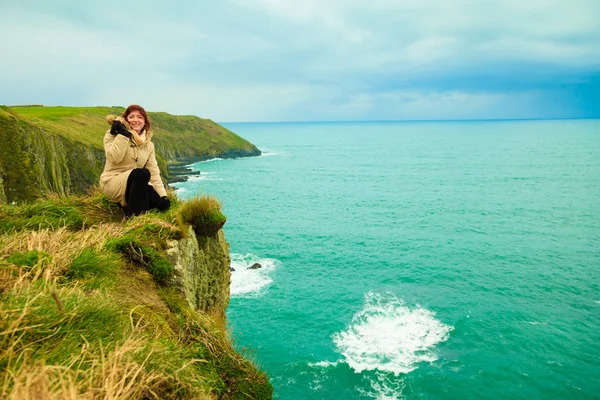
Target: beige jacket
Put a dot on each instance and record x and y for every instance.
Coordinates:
(122, 156)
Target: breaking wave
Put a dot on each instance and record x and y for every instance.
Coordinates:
(246, 281)
(388, 336)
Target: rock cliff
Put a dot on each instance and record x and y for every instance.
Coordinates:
(59, 149)
(202, 273)
(2, 195)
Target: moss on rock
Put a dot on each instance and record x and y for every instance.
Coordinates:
(202, 271)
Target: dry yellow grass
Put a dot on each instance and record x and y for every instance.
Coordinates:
(61, 244)
(83, 321)
(94, 372)
(115, 375)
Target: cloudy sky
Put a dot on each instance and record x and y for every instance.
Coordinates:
(307, 60)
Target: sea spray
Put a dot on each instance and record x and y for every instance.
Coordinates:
(246, 281)
(386, 335)
(383, 386)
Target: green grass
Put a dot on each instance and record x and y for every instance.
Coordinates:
(87, 311)
(148, 257)
(29, 258)
(203, 214)
(178, 135)
(73, 212)
(60, 149)
(94, 269)
(83, 124)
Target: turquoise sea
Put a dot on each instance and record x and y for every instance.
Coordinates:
(426, 260)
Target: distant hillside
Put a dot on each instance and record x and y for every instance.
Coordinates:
(59, 149)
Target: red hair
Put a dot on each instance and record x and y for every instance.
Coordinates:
(140, 109)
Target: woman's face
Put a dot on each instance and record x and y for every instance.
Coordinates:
(136, 121)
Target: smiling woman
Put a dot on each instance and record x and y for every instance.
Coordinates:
(131, 175)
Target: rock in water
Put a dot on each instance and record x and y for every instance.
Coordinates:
(255, 266)
(231, 269)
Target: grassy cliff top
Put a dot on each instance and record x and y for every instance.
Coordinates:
(87, 310)
(45, 150)
(87, 125)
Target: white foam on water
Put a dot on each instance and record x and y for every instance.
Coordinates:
(271, 153)
(597, 301)
(208, 176)
(221, 179)
(388, 336)
(324, 364)
(211, 160)
(246, 281)
(384, 387)
(195, 178)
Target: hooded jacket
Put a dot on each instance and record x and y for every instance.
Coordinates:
(122, 156)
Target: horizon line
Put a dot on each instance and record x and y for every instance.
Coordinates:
(411, 120)
(332, 121)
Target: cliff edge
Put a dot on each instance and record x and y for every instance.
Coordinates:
(92, 306)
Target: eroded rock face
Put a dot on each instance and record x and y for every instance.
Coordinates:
(202, 271)
(2, 195)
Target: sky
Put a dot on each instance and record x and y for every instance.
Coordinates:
(307, 60)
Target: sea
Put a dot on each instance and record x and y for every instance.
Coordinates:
(415, 260)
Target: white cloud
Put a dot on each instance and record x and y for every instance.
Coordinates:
(217, 102)
(292, 59)
(432, 49)
(54, 50)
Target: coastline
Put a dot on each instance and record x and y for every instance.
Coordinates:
(179, 170)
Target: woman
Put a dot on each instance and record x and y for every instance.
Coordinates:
(131, 176)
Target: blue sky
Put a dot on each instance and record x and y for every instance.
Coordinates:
(308, 60)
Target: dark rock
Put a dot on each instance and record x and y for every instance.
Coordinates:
(231, 269)
(203, 228)
(180, 172)
(255, 266)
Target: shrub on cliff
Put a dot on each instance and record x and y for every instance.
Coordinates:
(203, 214)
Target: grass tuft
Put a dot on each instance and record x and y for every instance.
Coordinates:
(74, 213)
(203, 214)
(149, 258)
(29, 258)
(95, 270)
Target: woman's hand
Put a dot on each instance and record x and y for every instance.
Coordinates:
(165, 203)
(118, 128)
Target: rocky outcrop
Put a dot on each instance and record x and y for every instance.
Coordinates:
(202, 271)
(2, 195)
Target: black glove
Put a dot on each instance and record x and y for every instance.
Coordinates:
(117, 128)
(165, 203)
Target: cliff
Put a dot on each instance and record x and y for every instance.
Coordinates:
(59, 150)
(92, 306)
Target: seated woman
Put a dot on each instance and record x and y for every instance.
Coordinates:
(131, 176)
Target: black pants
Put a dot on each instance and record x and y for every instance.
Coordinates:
(139, 194)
